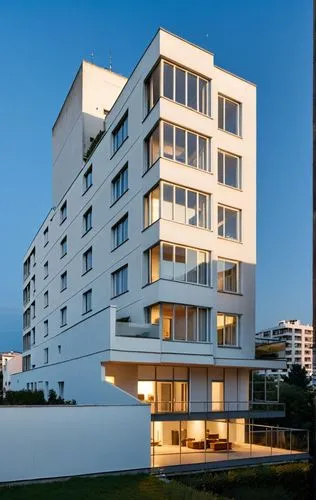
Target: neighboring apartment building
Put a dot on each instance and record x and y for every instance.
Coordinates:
(6, 356)
(140, 283)
(298, 339)
(11, 365)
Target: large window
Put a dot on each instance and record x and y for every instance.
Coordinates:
(63, 281)
(120, 231)
(87, 220)
(229, 115)
(87, 260)
(153, 87)
(228, 169)
(229, 223)
(87, 179)
(173, 262)
(120, 133)
(227, 276)
(185, 88)
(227, 329)
(179, 145)
(120, 184)
(178, 204)
(119, 281)
(180, 322)
(63, 247)
(63, 316)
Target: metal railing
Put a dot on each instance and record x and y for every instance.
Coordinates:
(173, 406)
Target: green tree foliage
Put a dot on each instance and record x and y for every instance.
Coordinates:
(298, 377)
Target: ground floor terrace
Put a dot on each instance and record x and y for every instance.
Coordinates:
(221, 442)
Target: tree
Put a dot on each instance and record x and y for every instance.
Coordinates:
(298, 376)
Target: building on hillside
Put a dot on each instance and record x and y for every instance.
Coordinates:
(298, 339)
(11, 365)
(140, 283)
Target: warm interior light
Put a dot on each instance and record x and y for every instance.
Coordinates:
(110, 379)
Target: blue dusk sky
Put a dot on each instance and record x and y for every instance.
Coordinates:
(268, 42)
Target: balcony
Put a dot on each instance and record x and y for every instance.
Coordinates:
(126, 329)
(269, 349)
(196, 410)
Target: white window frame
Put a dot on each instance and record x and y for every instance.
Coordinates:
(63, 247)
(239, 173)
(237, 316)
(63, 277)
(45, 327)
(120, 230)
(120, 281)
(225, 98)
(123, 127)
(46, 356)
(87, 220)
(46, 301)
(119, 184)
(87, 301)
(45, 236)
(223, 259)
(86, 179)
(85, 268)
(238, 211)
(63, 212)
(63, 316)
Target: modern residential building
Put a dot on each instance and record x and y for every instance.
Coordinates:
(6, 356)
(298, 339)
(140, 283)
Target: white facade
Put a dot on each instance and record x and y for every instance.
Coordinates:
(11, 364)
(156, 233)
(298, 340)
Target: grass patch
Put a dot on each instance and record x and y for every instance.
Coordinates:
(129, 487)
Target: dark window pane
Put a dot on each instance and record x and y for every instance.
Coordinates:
(202, 278)
(202, 154)
(220, 220)
(155, 85)
(168, 140)
(167, 205)
(180, 145)
(180, 86)
(231, 170)
(153, 147)
(220, 167)
(180, 322)
(168, 81)
(220, 112)
(192, 324)
(203, 211)
(231, 230)
(202, 325)
(179, 208)
(167, 261)
(192, 149)
(231, 117)
(192, 266)
(192, 208)
(192, 91)
(179, 270)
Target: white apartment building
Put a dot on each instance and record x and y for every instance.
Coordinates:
(10, 365)
(298, 339)
(140, 283)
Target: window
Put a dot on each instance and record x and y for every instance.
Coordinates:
(180, 322)
(63, 316)
(173, 262)
(63, 247)
(26, 363)
(87, 179)
(87, 260)
(45, 355)
(33, 284)
(87, 302)
(33, 310)
(185, 88)
(120, 133)
(33, 336)
(229, 223)
(46, 269)
(227, 329)
(153, 147)
(120, 184)
(153, 88)
(63, 212)
(26, 294)
(87, 220)
(228, 169)
(46, 299)
(120, 231)
(227, 276)
(151, 206)
(179, 145)
(63, 281)
(26, 269)
(119, 281)
(185, 206)
(27, 341)
(61, 387)
(185, 147)
(45, 327)
(229, 115)
(45, 235)
(27, 318)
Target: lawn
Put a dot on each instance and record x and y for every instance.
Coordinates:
(125, 487)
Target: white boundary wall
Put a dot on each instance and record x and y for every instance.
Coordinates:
(56, 441)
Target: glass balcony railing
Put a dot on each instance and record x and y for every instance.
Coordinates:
(126, 329)
(169, 406)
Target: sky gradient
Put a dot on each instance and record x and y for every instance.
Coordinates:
(268, 43)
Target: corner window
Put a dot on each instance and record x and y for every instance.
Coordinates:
(152, 86)
(151, 206)
(186, 147)
(229, 169)
(153, 147)
(229, 115)
(119, 281)
(120, 133)
(87, 221)
(227, 276)
(120, 232)
(87, 302)
(120, 184)
(87, 261)
(185, 206)
(229, 223)
(63, 212)
(87, 179)
(227, 330)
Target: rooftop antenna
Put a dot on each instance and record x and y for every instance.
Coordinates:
(92, 57)
(110, 61)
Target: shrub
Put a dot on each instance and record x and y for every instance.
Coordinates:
(24, 398)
